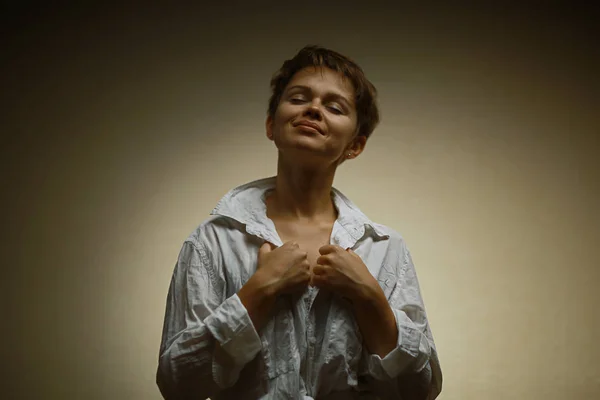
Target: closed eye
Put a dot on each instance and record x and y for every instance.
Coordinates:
(297, 100)
(335, 109)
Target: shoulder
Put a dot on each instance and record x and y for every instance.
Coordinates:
(210, 230)
(397, 248)
(198, 252)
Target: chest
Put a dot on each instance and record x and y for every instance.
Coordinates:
(310, 237)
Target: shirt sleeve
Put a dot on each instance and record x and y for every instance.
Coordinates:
(413, 365)
(207, 338)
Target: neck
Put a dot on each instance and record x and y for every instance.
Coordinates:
(302, 194)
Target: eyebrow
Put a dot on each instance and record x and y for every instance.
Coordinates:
(328, 94)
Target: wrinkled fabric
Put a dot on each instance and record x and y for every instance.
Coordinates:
(312, 347)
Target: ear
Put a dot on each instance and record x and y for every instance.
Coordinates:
(357, 146)
(269, 127)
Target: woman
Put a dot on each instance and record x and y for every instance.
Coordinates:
(288, 290)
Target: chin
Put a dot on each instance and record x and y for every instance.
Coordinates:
(306, 148)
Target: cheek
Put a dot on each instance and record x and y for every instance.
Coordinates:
(283, 117)
(345, 127)
(279, 122)
(286, 110)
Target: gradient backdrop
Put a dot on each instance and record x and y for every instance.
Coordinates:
(123, 126)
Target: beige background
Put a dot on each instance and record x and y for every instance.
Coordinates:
(122, 128)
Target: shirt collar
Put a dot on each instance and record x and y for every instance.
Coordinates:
(246, 204)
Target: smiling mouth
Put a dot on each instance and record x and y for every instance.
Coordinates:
(309, 127)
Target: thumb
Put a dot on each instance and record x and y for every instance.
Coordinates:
(265, 248)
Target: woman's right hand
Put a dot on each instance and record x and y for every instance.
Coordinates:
(280, 270)
(283, 269)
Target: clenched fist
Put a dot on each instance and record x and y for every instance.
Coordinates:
(284, 269)
(280, 270)
(344, 273)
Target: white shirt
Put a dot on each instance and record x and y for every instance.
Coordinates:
(312, 346)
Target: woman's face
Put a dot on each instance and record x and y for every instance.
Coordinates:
(316, 120)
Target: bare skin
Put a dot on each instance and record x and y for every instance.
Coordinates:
(303, 212)
(310, 235)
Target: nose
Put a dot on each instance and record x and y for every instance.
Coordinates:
(313, 111)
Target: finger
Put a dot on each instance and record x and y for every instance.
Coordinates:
(304, 276)
(322, 282)
(266, 247)
(319, 270)
(305, 264)
(328, 248)
(323, 260)
(291, 243)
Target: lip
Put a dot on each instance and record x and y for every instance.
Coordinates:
(309, 124)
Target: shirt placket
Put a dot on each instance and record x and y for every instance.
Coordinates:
(338, 237)
(310, 341)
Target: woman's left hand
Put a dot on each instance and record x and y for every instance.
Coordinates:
(342, 272)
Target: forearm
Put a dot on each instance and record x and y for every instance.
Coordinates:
(258, 297)
(208, 356)
(376, 321)
(178, 378)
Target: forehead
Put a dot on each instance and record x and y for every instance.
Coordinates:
(325, 79)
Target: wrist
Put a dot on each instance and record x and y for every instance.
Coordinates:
(369, 294)
(262, 287)
(258, 298)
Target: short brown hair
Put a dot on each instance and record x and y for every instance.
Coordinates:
(365, 94)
